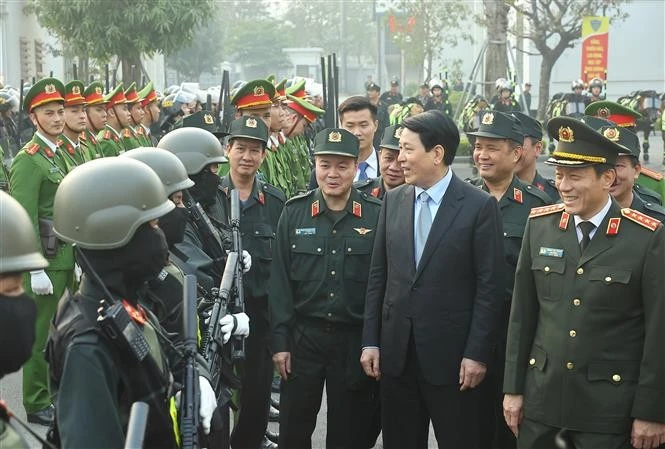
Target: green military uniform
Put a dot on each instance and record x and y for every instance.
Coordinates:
(4, 174)
(73, 152)
(373, 187)
(586, 325)
(94, 95)
(390, 141)
(132, 136)
(317, 295)
(35, 175)
(112, 142)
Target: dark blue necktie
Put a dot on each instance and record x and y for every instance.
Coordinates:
(363, 170)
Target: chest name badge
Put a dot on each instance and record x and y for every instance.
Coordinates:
(550, 252)
(305, 231)
(53, 170)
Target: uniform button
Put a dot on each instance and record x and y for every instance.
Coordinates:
(608, 279)
(318, 249)
(332, 273)
(547, 269)
(334, 231)
(616, 378)
(580, 271)
(532, 362)
(348, 249)
(505, 234)
(576, 302)
(332, 295)
(329, 315)
(572, 333)
(256, 232)
(334, 252)
(570, 365)
(293, 246)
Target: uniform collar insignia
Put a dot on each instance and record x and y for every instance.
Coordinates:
(563, 223)
(262, 198)
(376, 191)
(517, 194)
(315, 208)
(613, 226)
(357, 209)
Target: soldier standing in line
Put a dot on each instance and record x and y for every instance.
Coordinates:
(317, 295)
(111, 138)
(150, 106)
(526, 169)
(392, 96)
(497, 150)
(75, 125)
(587, 323)
(130, 135)
(390, 170)
(35, 174)
(95, 112)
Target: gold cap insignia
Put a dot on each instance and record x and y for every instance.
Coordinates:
(612, 134)
(603, 112)
(49, 89)
(76, 90)
(251, 123)
(335, 136)
(98, 90)
(566, 134)
(488, 118)
(207, 119)
(167, 103)
(398, 132)
(258, 91)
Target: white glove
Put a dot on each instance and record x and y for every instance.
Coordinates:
(77, 272)
(40, 283)
(208, 403)
(246, 261)
(241, 321)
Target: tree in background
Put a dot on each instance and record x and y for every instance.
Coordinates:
(554, 26)
(203, 54)
(126, 29)
(436, 27)
(496, 56)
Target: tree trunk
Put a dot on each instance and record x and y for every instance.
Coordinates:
(131, 69)
(546, 65)
(496, 56)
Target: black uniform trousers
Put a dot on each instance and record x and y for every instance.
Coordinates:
(256, 375)
(327, 353)
(409, 402)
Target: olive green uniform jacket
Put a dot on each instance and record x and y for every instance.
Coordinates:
(111, 142)
(586, 332)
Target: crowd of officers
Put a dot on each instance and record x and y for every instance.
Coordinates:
(102, 214)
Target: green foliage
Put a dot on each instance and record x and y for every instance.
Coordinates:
(203, 54)
(102, 30)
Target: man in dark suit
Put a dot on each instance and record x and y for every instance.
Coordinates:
(434, 294)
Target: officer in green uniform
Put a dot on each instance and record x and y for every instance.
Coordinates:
(18, 253)
(35, 175)
(136, 138)
(526, 169)
(75, 124)
(650, 184)
(497, 150)
(110, 208)
(112, 138)
(587, 321)
(96, 116)
(317, 295)
(389, 167)
(261, 205)
(150, 104)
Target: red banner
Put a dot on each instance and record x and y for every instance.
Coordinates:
(595, 33)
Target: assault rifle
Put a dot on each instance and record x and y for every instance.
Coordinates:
(210, 240)
(238, 305)
(189, 401)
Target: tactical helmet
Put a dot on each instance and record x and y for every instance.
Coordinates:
(195, 147)
(7, 101)
(577, 84)
(172, 103)
(101, 204)
(435, 82)
(506, 84)
(499, 82)
(19, 250)
(167, 166)
(596, 82)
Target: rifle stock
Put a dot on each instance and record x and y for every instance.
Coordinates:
(138, 420)
(212, 245)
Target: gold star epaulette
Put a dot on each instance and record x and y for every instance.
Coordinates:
(32, 149)
(545, 210)
(640, 218)
(651, 174)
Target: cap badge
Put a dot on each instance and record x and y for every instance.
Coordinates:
(76, 90)
(98, 90)
(335, 136)
(251, 123)
(488, 118)
(49, 89)
(258, 91)
(398, 132)
(612, 134)
(566, 134)
(604, 112)
(207, 119)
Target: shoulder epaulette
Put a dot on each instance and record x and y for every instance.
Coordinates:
(126, 132)
(651, 174)
(32, 149)
(363, 183)
(655, 207)
(300, 196)
(640, 218)
(535, 191)
(274, 191)
(551, 182)
(546, 210)
(107, 134)
(370, 198)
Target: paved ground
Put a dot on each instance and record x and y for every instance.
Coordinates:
(10, 386)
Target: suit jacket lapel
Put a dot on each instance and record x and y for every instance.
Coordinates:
(445, 216)
(600, 242)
